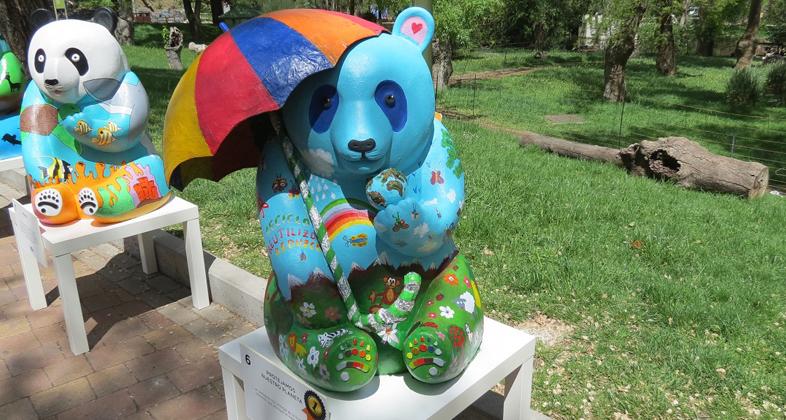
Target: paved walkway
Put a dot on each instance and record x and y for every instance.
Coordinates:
(152, 355)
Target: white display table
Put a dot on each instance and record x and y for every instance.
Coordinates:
(11, 163)
(258, 386)
(61, 241)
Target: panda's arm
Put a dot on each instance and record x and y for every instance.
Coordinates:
(290, 240)
(422, 222)
(114, 124)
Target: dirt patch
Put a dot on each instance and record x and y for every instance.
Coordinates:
(491, 74)
(548, 330)
(565, 119)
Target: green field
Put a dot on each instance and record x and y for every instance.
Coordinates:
(689, 105)
(673, 302)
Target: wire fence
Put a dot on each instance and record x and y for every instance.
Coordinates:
(747, 137)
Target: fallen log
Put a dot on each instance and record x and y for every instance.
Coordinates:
(692, 166)
(572, 149)
(677, 159)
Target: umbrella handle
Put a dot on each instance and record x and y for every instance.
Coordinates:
(385, 321)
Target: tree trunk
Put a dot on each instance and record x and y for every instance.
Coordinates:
(124, 32)
(442, 66)
(620, 47)
(15, 24)
(676, 159)
(192, 14)
(572, 149)
(691, 166)
(173, 47)
(216, 10)
(746, 46)
(666, 62)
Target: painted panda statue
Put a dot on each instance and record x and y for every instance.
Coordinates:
(12, 83)
(83, 126)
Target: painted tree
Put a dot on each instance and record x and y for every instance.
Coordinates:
(623, 17)
(746, 46)
(15, 23)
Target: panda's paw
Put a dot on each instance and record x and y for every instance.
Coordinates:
(54, 205)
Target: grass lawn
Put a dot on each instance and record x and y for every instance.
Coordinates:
(689, 105)
(672, 301)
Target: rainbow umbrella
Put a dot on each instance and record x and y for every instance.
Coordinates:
(213, 116)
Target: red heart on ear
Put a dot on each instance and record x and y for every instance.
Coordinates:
(416, 27)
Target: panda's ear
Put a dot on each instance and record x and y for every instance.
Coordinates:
(40, 17)
(416, 25)
(106, 18)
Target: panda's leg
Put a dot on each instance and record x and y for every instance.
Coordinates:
(130, 190)
(338, 357)
(447, 328)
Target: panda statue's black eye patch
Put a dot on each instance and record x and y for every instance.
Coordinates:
(77, 59)
(39, 60)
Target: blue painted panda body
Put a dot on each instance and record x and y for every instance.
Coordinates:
(387, 186)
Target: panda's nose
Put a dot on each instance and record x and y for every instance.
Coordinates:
(362, 146)
(51, 82)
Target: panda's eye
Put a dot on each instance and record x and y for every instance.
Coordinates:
(39, 61)
(392, 101)
(324, 103)
(77, 58)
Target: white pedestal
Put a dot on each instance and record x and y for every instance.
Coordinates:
(11, 163)
(61, 241)
(253, 374)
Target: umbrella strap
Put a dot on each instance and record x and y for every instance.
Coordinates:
(385, 321)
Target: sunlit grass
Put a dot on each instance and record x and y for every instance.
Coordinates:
(676, 298)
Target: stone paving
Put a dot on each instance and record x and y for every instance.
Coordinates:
(152, 354)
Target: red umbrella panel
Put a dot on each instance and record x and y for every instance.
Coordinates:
(213, 120)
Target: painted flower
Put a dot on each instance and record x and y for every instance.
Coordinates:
(451, 279)
(457, 336)
(468, 282)
(429, 302)
(440, 335)
(300, 364)
(308, 310)
(323, 372)
(446, 312)
(432, 315)
(304, 338)
(332, 313)
(313, 357)
(390, 335)
(440, 296)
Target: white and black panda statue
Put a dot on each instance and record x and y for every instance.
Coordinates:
(83, 125)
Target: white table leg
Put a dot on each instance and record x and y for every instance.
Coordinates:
(197, 275)
(72, 307)
(518, 393)
(234, 396)
(147, 253)
(33, 283)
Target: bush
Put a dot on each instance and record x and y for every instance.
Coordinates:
(776, 80)
(743, 88)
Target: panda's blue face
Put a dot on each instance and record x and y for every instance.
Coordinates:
(373, 111)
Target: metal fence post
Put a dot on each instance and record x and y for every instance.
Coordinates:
(733, 143)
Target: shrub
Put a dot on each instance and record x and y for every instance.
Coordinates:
(776, 80)
(743, 88)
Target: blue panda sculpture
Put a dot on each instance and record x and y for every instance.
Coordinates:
(384, 177)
